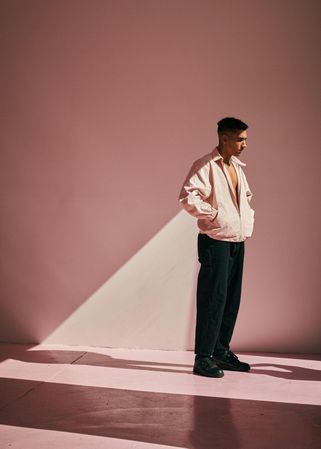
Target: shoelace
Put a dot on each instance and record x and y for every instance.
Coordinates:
(232, 355)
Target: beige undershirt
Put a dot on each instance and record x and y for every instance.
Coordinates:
(233, 175)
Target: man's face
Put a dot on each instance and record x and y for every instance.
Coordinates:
(235, 143)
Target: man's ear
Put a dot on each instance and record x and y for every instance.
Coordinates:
(224, 137)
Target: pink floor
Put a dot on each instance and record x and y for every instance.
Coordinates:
(89, 398)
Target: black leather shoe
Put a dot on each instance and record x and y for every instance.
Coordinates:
(229, 361)
(207, 367)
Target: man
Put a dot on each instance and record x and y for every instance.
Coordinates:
(216, 192)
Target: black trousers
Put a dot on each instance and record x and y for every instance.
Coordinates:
(218, 294)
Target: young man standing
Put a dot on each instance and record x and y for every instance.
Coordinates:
(216, 192)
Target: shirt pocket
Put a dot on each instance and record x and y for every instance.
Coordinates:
(227, 222)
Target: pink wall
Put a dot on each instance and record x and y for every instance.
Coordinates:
(104, 106)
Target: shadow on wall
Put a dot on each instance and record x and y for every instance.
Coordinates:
(149, 302)
(92, 157)
(145, 304)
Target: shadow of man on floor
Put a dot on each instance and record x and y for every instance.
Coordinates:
(73, 357)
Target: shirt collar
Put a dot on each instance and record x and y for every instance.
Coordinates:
(216, 156)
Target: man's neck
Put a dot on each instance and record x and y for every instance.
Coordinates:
(226, 159)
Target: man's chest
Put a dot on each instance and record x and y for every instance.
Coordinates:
(233, 175)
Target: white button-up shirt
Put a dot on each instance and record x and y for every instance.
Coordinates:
(208, 195)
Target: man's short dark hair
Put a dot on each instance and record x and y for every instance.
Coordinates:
(231, 124)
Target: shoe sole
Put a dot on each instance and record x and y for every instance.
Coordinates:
(204, 374)
(231, 368)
